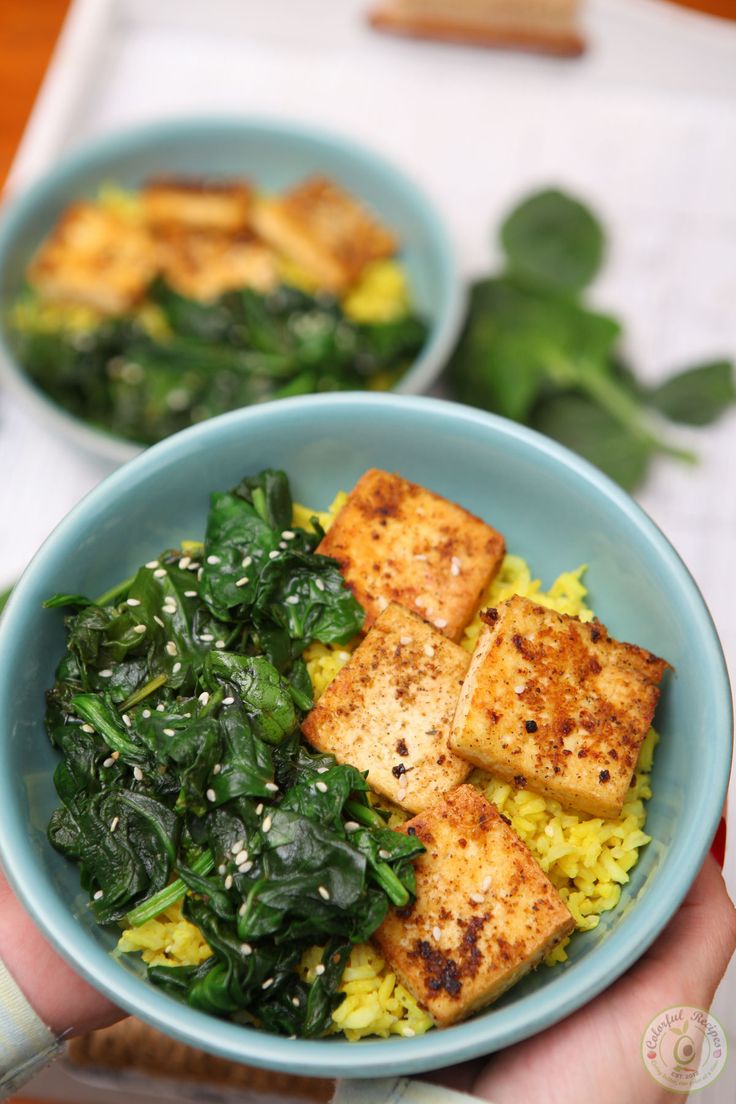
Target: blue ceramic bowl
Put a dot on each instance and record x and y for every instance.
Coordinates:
(554, 509)
(274, 155)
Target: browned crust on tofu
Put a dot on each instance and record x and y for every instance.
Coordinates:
(198, 204)
(484, 914)
(204, 264)
(325, 230)
(389, 710)
(397, 542)
(558, 705)
(94, 257)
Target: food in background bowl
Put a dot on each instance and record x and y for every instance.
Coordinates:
(149, 310)
(250, 868)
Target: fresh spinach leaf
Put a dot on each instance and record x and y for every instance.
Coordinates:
(554, 241)
(697, 396)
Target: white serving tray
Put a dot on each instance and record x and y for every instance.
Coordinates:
(644, 127)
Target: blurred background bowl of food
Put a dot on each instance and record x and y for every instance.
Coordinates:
(160, 276)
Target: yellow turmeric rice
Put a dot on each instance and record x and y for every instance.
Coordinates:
(587, 858)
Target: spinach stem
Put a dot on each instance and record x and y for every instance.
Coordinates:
(138, 695)
(259, 502)
(388, 881)
(169, 895)
(364, 814)
(95, 712)
(110, 595)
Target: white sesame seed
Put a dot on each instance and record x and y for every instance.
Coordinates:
(408, 1032)
(288, 534)
(194, 566)
(405, 639)
(272, 787)
(152, 564)
(107, 673)
(213, 559)
(138, 774)
(420, 602)
(293, 599)
(87, 728)
(246, 949)
(219, 643)
(243, 909)
(241, 857)
(248, 560)
(520, 688)
(259, 808)
(159, 573)
(319, 969)
(126, 720)
(321, 786)
(176, 668)
(132, 602)
(114, 823)
(217, 768)
(140, 629)
(160, 707)
(108, 762)
(158, 621)
(441, 623)
(245, 867)
(169, 732)
(221, 869)
(477, 898)
(322, 770)
(429, 650)
(169, 605)
(283, 544)
(184, 562)
(436, 934)
(97, 896)
(420, 556)
(146, 714)
(351, 826)
(274, 554)
(242, 582)
(485, 885)
(171, 647)
(203, 698)
(237, 846)
(211, 795)
(455, 567)
(344, 656)
(295, 1001)
(200, 573)
(319, 584)
(190, 594)
(382, 603)
(228, 701)
(206, 637)
(267, 983)
(384, 854)
(266, 826)
(324, 893)
(229, 881)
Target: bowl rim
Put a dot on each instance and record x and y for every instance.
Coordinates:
(93, 153)
(532, 1013)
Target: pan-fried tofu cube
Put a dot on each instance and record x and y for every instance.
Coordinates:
(484, 913)
(324, 230)
(197, 204)
(397, 542)
(204, 265)
(557, 705)
(389, 710)
(94, 257)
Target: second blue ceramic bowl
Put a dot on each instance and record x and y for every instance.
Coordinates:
(554, 510)
(274, 155)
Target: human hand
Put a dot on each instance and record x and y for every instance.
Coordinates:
(594, 1055)
(65, 1003)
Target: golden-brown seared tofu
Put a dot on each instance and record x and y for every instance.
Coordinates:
(203, 265)
(557, 705)
(197, 204)
(389, 710)
(484, 914)
(324, 230)
(397, 542)
(95, 257)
